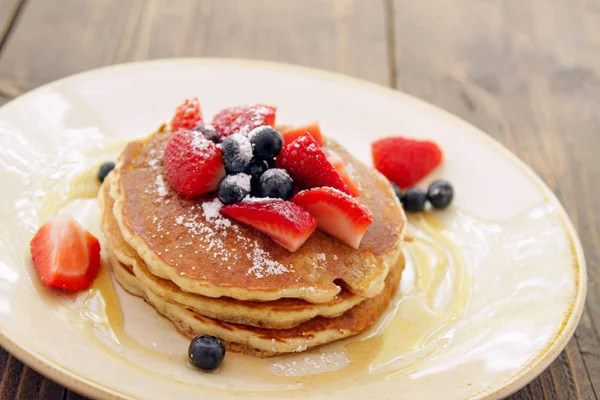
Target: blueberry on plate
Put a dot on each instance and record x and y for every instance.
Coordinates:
(206, 352)
(414, 200)
(237, 153)
(266, 141)
(440, 194)
(397, 190)
(208, 131)
(105, 170)
(276, 183)
(233, 188)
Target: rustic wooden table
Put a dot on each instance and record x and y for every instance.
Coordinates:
(525, 71)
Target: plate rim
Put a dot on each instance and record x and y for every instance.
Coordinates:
(534, 367)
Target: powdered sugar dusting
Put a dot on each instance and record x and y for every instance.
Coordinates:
(254, 200)
(242, 180)
(161, 187)
(262, 265)
(199, 142)
(211, 209)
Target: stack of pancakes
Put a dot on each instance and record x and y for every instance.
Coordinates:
(212, 275)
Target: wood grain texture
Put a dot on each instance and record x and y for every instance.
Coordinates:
(526, 72)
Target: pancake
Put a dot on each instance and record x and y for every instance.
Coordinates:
(188, 243)
(266, 342)
(278, 314)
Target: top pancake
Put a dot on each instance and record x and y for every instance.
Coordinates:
(191, 244)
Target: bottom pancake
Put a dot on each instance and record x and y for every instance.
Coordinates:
(266, 342)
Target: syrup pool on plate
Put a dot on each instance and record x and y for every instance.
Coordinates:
(440, 255)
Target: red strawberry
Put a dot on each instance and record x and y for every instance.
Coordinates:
(405, 161)
(65, 255)
(337, 213)
(294, 133)
(340, 167)
(243, 119)
(187, 115)
(286, 223)
(193, 164)
(305, 161)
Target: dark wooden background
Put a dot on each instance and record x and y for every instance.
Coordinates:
(525, 71)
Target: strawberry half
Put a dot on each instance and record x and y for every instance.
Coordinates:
(243, 119)
(286, 223)
(405, 161)
(305, 161)
(193, 164)
(187, 115)
(337, 213)
(294, 133)
(340, 167)
(65, 255)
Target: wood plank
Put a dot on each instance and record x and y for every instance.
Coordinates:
(528, 73)
(346, 36)
(322, 34)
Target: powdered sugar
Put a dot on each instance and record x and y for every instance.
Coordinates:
(242, 180)
(243, 146)
(251, 200)
(200, 143)
(262, 265)
(161, 187)
(211, 209)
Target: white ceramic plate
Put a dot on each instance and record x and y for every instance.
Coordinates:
(493, 289)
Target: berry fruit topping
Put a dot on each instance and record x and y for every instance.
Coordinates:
(208, 131)
(313, 129)
(255, 170)
(193, 164)
(243, 119)
(397, 191)
(206, 352)
(276, 183)
(187, 115)
(306, 163)
(65, 255)
(237, 153)
(105, 170)
(405, 161)
(286, 223)
(266, 142)
(337, 213)
(414, 200)
(440, 194)
(340, 167)
(234, 188)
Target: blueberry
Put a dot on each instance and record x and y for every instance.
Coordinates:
(276, 183)
(440, 194)
(397, 190)
(414, 200)
(237, 153)
(105, 170)
(271, 162)
(208, 131)
(266, 142)
(233, 188)
(206, 352)
(255, 170)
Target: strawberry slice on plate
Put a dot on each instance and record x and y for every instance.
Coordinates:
(307, 164)
(65, 255)
(337, 213)
(243, 119)
(286, 223)
(340, 167)
(313, 129)
(187, 115)
(405, 161)
(193, 164)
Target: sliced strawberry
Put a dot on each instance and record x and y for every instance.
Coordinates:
(65, 255)
(340, 167)
(187, 115)
(243, 119)
(193, 164)
(305, 161)
(286, 223)
(337, 213)
(294, 133)
(405, 161)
